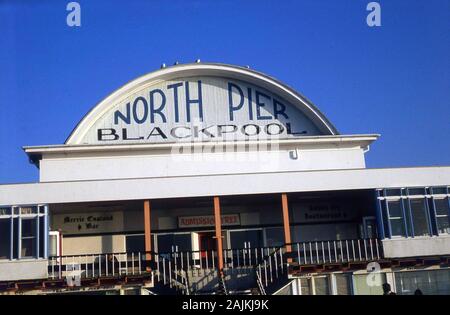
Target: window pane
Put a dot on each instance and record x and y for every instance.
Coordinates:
(28, 210)
(397, 227)
(5, 238)
(241, 239)
(393, 192)
(28, 227)
(385, 217)
(15, 238)
(439, 190)
(135, 243)
(42, 236)
(321, 286)
(165, 242)
(419, 217)
(274, 236)
(5, 211)
(430, 282)
(28, 247)
(441, 206)
(343, 284)
(364, 287)
(416, 191)
(395, 209)
(306, 286)
(183, 241)
(443, 225)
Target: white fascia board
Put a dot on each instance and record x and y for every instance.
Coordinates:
(221, 185)
(356, 140)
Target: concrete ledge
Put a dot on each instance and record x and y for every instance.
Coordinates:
(416, 247)
(222, 185)
(23, 270)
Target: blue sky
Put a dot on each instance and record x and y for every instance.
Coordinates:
(393, 80)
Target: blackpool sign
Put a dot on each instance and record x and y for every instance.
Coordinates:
(203, 108)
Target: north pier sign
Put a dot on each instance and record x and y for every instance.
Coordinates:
(199, 109)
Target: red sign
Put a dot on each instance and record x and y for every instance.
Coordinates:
(207, 220)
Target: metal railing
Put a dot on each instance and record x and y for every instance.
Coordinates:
(336, 251)
(114, 265)
(271, 268)
(207, 259)
(276, 265)
(172, 268)
(91, 266)
(169, 273)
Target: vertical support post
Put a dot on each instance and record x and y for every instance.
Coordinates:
(218, 226)
(60, 237)
(46, 230)
(379, 215)
(286, 225)
(147, 232)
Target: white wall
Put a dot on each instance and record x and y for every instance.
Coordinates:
(222, 185)
(418, 246)
(23, 270)
(69, 168)
(80, 245)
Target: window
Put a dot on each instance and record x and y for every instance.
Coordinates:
(372, 286)
(442, 218)
(23, 232)
(416, 191)
(430, 282)
(5, 238)
(135, 243)
(393, 192)
(419, 217)
(321, 285)
(415, 212)
(305, 284)
(169, 242)
(274, 236)
(42, 238)
(343, 283)
(15, 240)
(439, 190)
(5, 211)
(247, 238)
(28, 248)
(396, 218)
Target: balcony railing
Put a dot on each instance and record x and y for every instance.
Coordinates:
(137, 263)
(340, 251)
(277, 264)
(172, 268)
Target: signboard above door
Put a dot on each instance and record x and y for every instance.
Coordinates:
(207, 221)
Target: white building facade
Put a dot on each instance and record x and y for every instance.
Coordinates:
(211, 178)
